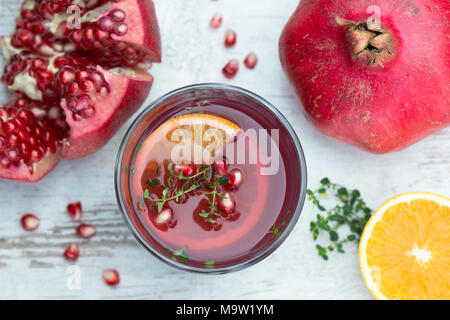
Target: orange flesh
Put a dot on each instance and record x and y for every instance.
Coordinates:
(409, 251)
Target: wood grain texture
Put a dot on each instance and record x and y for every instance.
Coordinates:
(31, 264)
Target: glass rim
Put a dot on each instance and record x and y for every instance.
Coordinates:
(303, 178)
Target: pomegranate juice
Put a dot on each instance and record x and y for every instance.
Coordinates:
(218, 213)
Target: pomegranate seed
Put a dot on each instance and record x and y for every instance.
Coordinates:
(231, 68)
(39, 63)
(87, 86)
(9, 126)
(106, 23)
(230, 38)
(36, 155)
(104, 92)
(76, 36)
(101, 35)
(121, 29)
(13, 138)
(216, 21)
(72, 252)
(75, 211)
(66, 76)
(44, 78)
(23, 37)
(251, 60)
(13, 154)
(235, 179)
(111, 277)
(86, 231)
(25, 148)
(118, 15)
(73, 88)
(227, 204)
(30, 222)
(26, 14)
(164, 217)
(186, 170)
(129, 52)
(82, 75)
(77, 117)
(88, 34)
(221, 166)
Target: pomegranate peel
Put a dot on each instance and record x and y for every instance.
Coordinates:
(143, 32)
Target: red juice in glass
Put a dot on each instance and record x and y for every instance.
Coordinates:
(226, 207)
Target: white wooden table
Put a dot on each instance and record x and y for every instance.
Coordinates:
(31, 265)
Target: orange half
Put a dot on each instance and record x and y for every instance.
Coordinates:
(404, 253)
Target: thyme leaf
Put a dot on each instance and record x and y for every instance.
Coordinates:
(350, 211)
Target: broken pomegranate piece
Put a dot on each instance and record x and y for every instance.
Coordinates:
(79, 90)
(30, 141)
(30, 222)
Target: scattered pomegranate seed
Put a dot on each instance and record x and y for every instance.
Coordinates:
(230, 38)
(216, 21)
(221, 166)
(231, 68)
(86, 231)
(164, 217)
(235, 179)
(72, 252)
(75, 211)
(187, 170)
(111, 277)
(30, 222)
(251, 60)
(227, 204)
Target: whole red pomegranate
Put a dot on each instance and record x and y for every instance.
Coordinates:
(77, 69)
(372, 73)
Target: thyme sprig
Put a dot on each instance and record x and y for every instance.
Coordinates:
(213, 211)
(204, 178)
(351, 211)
